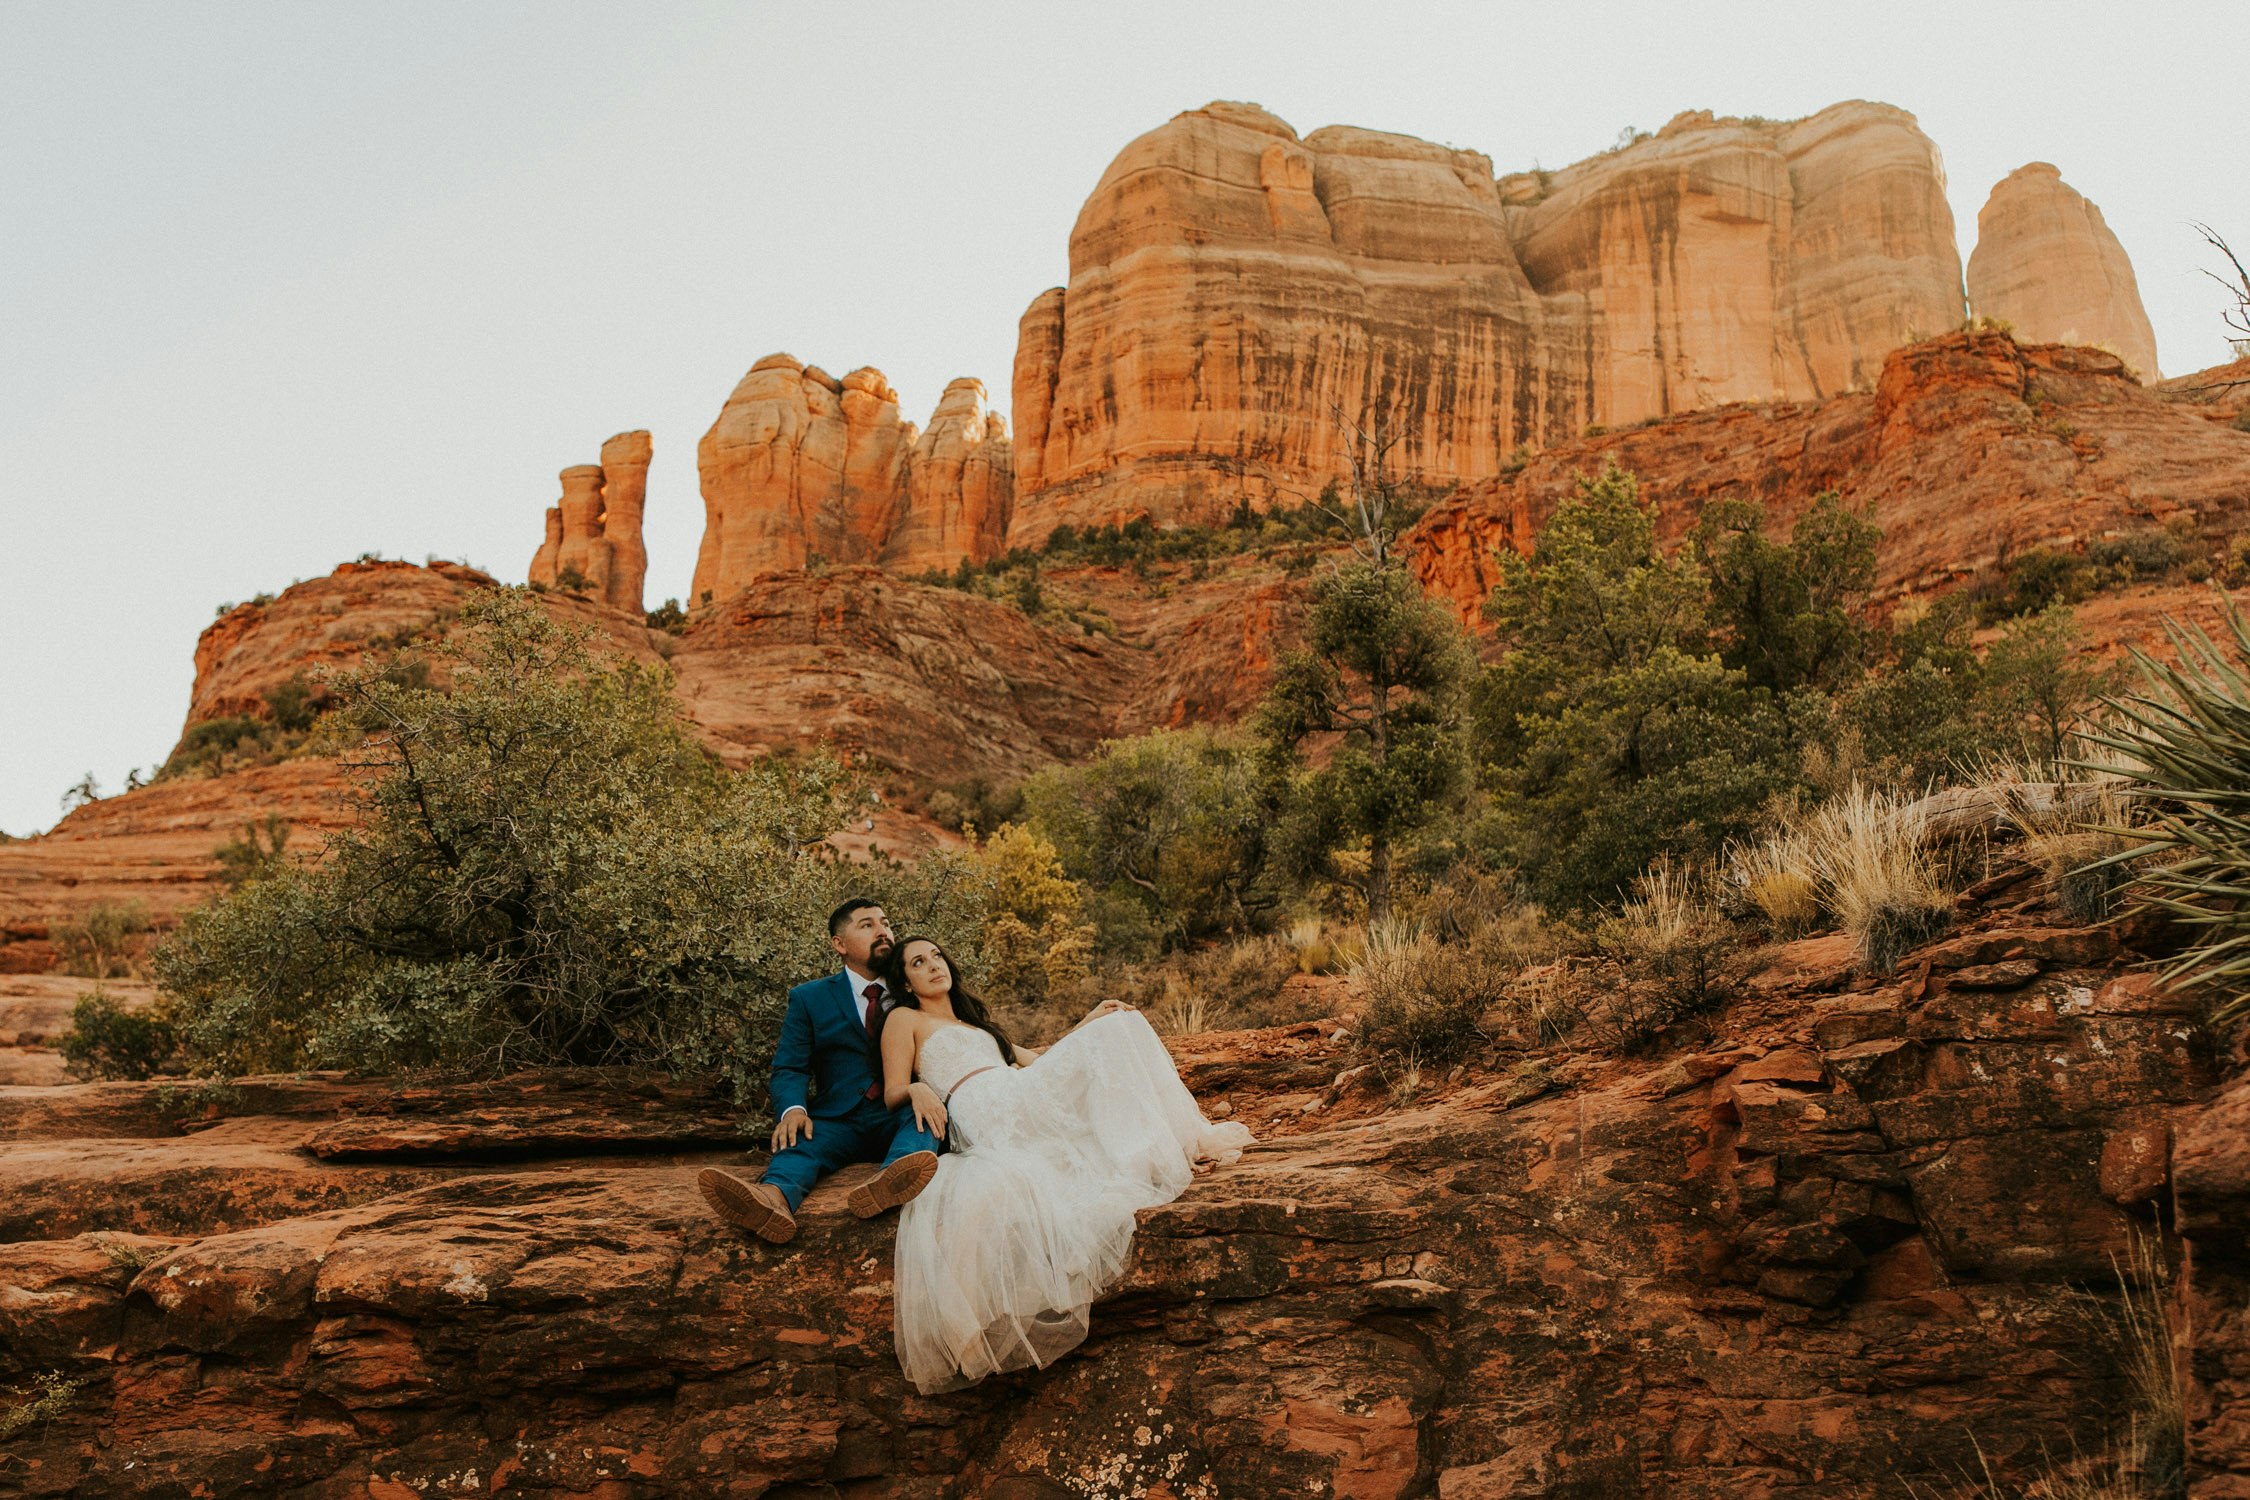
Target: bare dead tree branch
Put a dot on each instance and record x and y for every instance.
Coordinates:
(1370, 437)
(2237, 317)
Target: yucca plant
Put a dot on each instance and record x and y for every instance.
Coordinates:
(2183, 746)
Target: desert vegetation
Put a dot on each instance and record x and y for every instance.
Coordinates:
(549, 868)
(1571, 836)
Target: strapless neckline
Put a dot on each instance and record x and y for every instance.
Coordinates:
(932, 1072)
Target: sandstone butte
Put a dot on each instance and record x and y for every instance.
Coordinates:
(594, 532)
(2046, 262)
(1833, 1246)
(1235, 289)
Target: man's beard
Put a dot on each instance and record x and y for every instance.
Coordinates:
(880, 949)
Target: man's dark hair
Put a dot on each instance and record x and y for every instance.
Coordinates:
(843, 914)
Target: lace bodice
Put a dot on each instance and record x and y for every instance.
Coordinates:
(952, 1052)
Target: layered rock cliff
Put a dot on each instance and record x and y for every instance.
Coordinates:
(1838, 1243)
(1234, 290)
(1972, 448)
(594, 532)
(803, 467)
(2047, 262)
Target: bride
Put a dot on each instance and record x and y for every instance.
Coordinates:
(1050, 1154)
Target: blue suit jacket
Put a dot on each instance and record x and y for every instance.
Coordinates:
(824, 1050)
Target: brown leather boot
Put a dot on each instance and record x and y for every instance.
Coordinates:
(755, 1206)
(896, 1183)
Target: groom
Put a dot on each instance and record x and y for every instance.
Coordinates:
(829, 1039)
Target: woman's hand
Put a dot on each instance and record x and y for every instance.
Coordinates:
(929, 1109)
(1104, 1009)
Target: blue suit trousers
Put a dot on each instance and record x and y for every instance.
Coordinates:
(870, 1132)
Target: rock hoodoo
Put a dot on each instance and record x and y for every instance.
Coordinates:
(594, 531)
(1233, 287)
(2046, 262)
(801, 466)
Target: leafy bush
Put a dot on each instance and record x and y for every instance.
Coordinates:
(1034, 941)
(232, 741)
(548, 868)
(2183, 750)
(1169, 833)
(1650, 704)
(668, 617)
(256, 851)
(47, 1397)
(294, 704)
(1612, 731)
(103, 944)
(106, 1040)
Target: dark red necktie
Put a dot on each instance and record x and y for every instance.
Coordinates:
(874, 1003)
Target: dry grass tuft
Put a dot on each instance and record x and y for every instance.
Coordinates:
(2071, 831)
(1879, 873)
(2147, 1460)
(1775, 877)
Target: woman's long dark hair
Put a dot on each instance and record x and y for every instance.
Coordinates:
(966, 1006)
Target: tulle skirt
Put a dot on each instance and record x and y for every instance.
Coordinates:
(1030, 1216)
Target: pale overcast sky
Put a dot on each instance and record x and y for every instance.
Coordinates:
(285, 283)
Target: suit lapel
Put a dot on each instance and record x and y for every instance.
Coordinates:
(852, 1004)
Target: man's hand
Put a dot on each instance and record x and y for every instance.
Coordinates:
(1104, 1009)
(929, 1109)
(792, 1124)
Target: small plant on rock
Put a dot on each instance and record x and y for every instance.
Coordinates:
(1421, 1004)
(106, 1040)
(50, 1395)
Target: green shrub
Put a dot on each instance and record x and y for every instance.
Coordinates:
(47, 1397)
(254, 852)
(1169, 833)
(668, 617)
(1420, 1005)
(294, 704)
(106, 1040)
(547, 868)
(103, 944)
(1613, 731)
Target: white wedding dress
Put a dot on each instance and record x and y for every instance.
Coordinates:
(1030, 1215)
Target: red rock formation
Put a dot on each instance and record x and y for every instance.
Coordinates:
(935, 686)
(1232, 287)
(624, 497)
(801, 466)
(1835, 1247)
(960, 486)
(1972, 448)
(2047, 263)
(594, 534)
